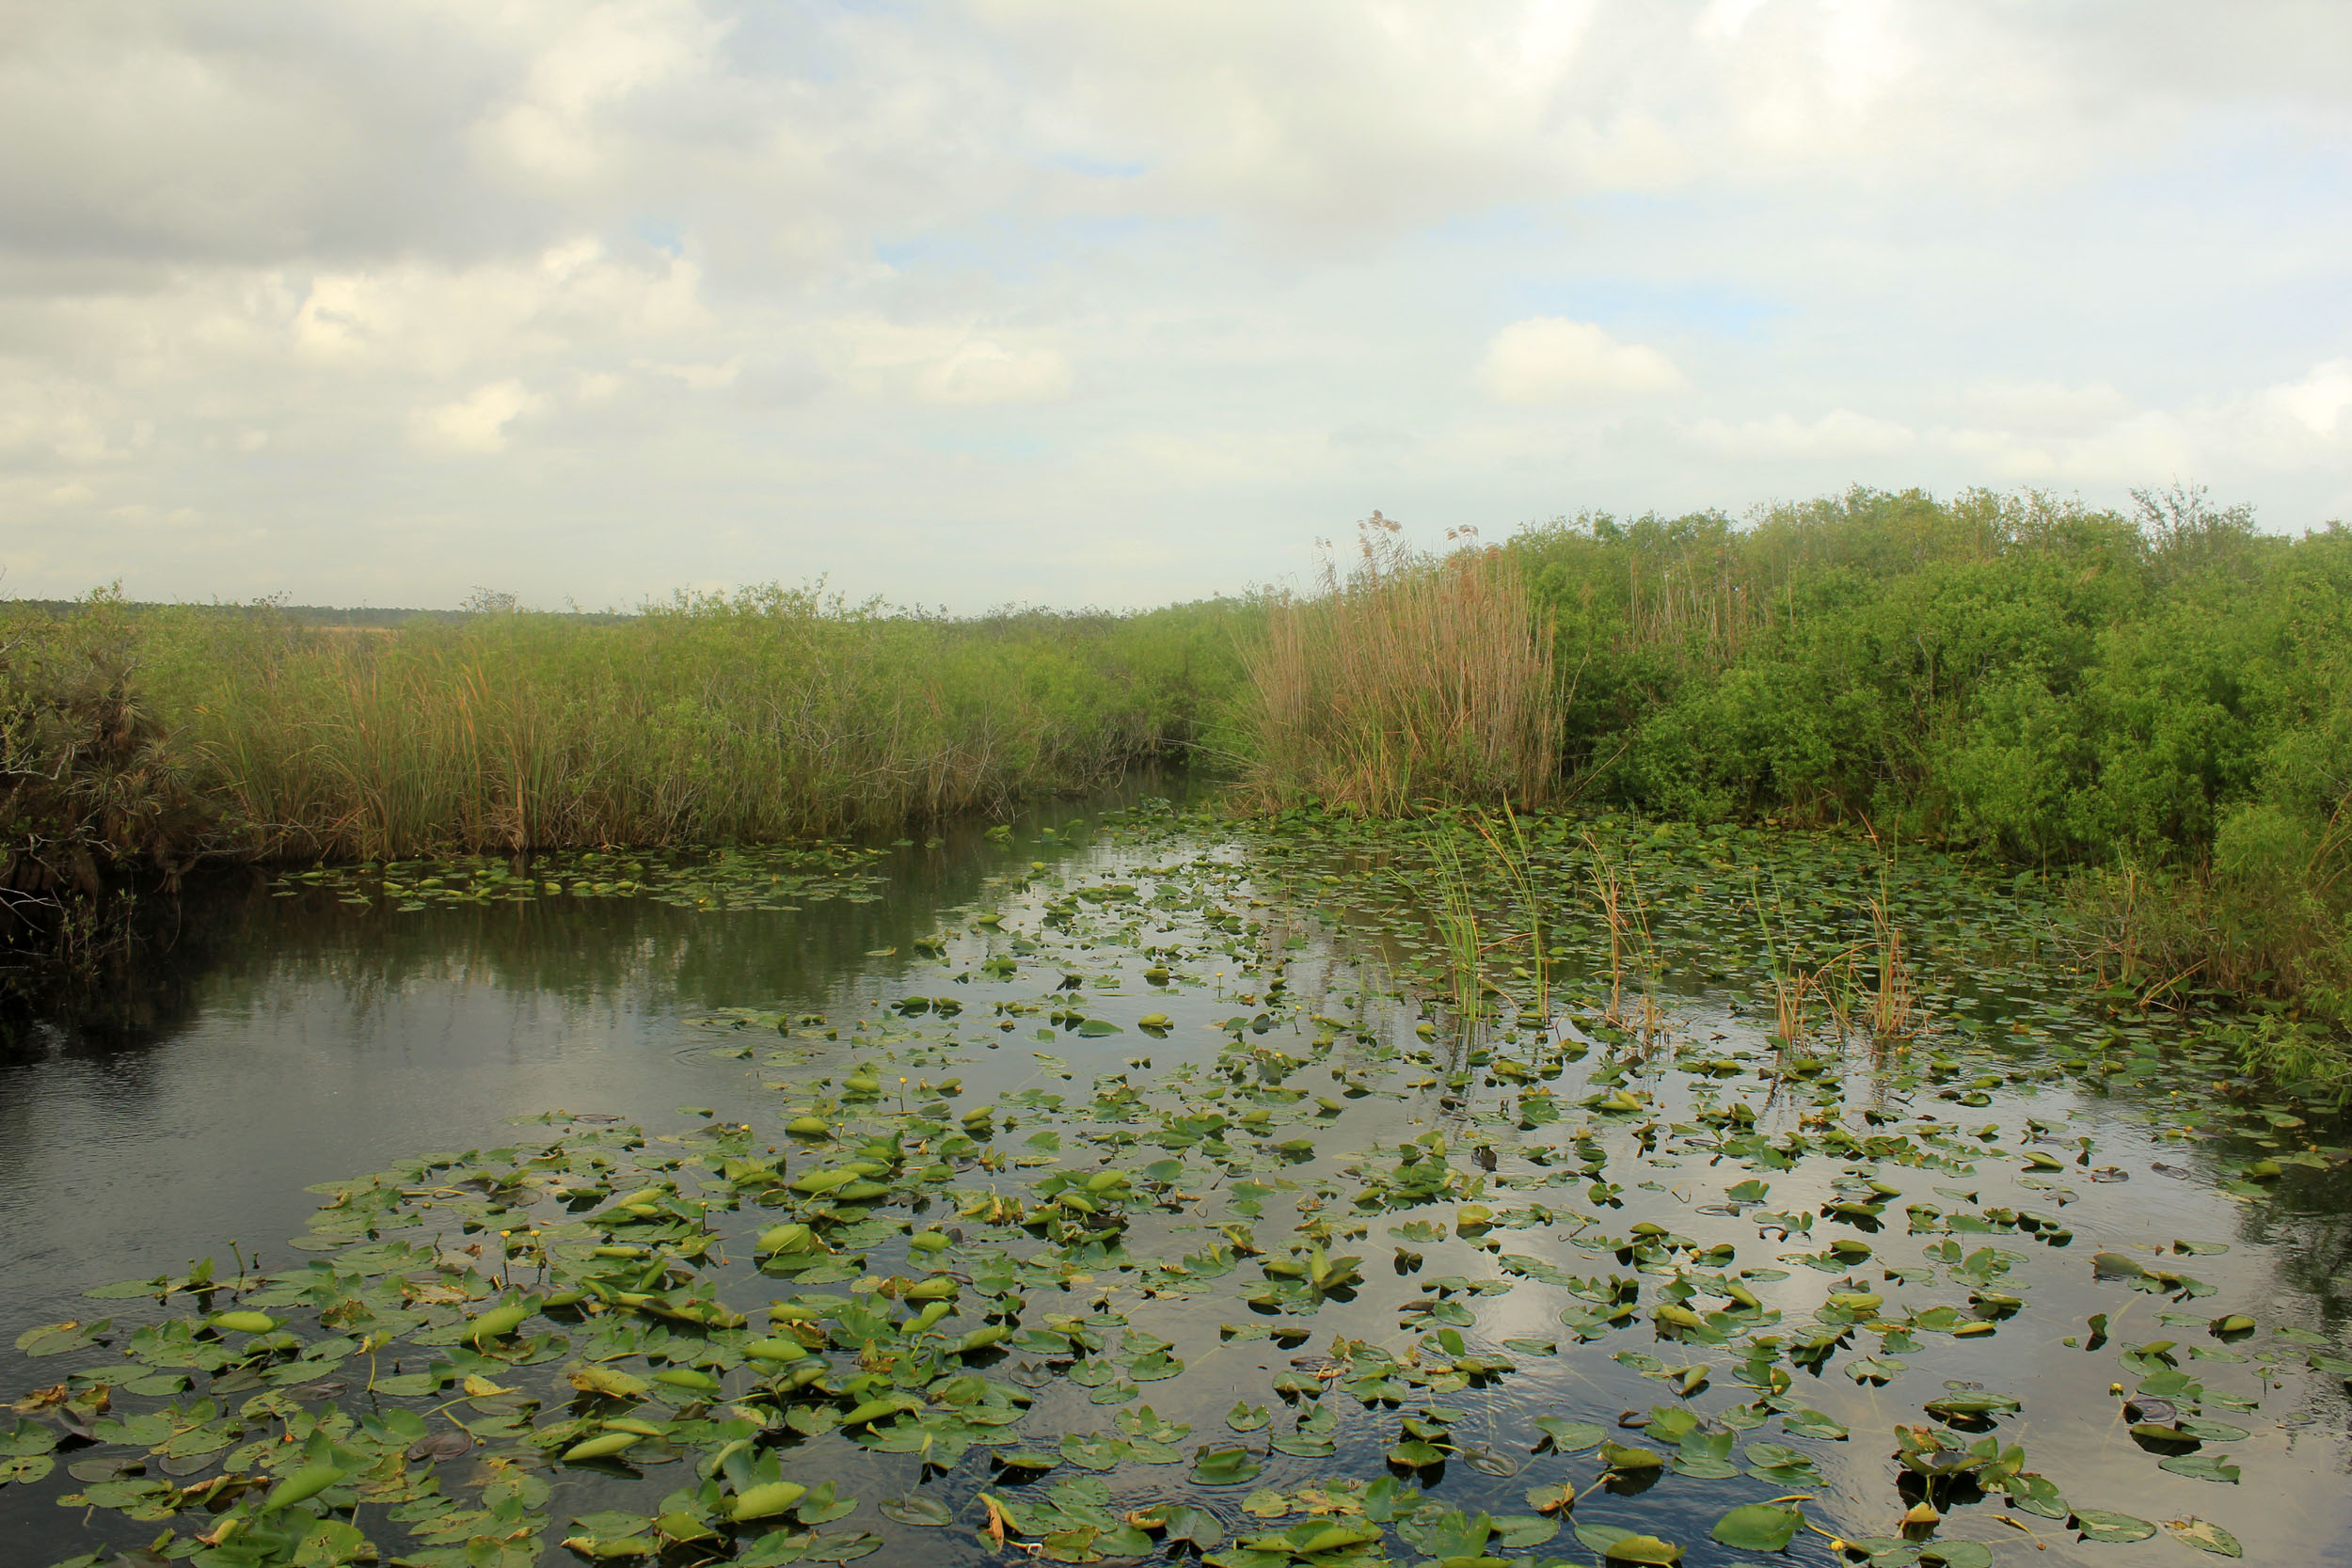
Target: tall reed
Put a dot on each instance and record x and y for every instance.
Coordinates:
(769, 714)
(1458, 933)
(1894, 995)
(1619, 896)
(1411, 679)
(1516, 861)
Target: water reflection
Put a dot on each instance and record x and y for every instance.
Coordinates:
(286, 1041)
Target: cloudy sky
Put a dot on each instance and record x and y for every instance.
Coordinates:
(1087, 301)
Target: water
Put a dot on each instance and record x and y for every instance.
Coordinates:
(300, 1035)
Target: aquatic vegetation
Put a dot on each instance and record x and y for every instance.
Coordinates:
(779, 877)
(1150, 1217)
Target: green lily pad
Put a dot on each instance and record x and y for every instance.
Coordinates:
(2099, 1525)
(1759, 1526)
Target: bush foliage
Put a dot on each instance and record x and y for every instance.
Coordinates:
(2161, 702)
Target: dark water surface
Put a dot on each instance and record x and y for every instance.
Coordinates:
(300, 1036)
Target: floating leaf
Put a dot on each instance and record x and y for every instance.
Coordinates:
(926, 1512)
(2122, 1528)
(2205, 1536)
(2201, 1466)
(1759, 1526)
(1227, 1467)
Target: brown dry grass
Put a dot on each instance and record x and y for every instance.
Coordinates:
(1411, 679)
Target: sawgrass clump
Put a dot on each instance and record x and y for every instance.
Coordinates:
(1408, 680)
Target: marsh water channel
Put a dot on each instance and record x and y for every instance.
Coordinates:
(1130, 1184)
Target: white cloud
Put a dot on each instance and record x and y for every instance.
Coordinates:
(930, 294)
(589, 59)
(1841, 433)
(702, 379)
(1722, 20)
(984, 371)
(1552, 359)
(943, 363)
(2094, 434)
(438, 320)
(2046, 406)
(2318, 401)
(1864, 51)
(477, 424)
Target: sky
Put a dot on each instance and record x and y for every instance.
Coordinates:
(1099, 303)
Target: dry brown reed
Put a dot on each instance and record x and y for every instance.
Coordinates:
(1410, 680)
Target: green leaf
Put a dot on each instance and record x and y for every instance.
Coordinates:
(2122, 1528)
(1957, 1554)
(1519, 1532)
(2201, 1466)
(1568, 1436)
(1758, 1527)
(2207, 1536)
(1647, 1550)
(1233, 1467)
(27, 1438)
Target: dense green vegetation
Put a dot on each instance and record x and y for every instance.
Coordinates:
(2159, 707)
(2164, 703)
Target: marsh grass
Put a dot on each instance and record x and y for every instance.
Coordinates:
(1796, 988)
(1508, 849)
(1895, 993)
(1411, 679)
(769, 714)
(1459, 935)
(1617, 894)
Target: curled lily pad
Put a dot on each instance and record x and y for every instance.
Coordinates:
(2205, 1536)
(1570, 1436)
(445, 1444)
(1179, 1522)
(926, 1512)
(112, 1468)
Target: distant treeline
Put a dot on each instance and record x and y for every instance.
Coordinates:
(301, 614)
(2159, 702)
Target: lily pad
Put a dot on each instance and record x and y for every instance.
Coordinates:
(1759, 1526)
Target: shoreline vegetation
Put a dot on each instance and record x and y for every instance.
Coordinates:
(2153, 709)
